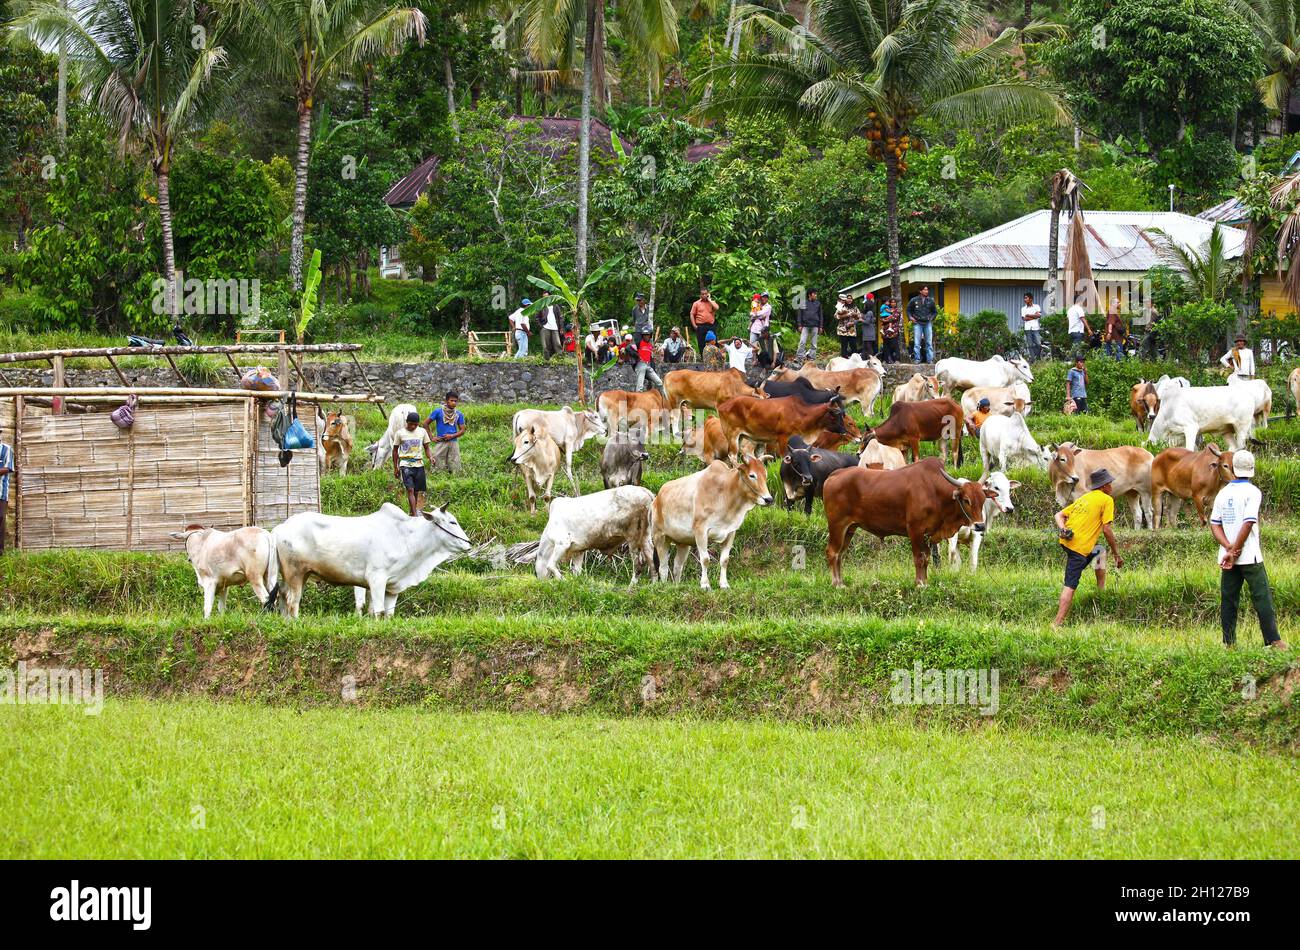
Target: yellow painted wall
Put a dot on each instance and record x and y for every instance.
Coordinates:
(1273, 299)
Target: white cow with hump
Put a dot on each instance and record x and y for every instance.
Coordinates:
(383, 553)
(1198, 410)
(955, 373)
(602, 521)
(568, 429)
(1006, 439)
(382, 451)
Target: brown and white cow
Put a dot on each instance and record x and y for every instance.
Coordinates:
(1144, 403)
(621, 408)
(916, 389)
(688, 389)
(911, 423)
(883, 457)
(706, 507)
(855, 385)
(921, 502)
(569, 430)
(1003, 400)
(1184, 474)
(773, 421)
(1070, 468)
(538, 457)
(336, 440)
(225, 559)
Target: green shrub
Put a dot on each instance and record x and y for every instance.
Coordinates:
(984, 334)
(1109, 382)
(1194, 329)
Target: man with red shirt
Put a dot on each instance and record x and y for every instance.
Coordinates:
(645, 354)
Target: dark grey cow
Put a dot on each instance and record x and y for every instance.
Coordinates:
(798, 387)
(624, 455)
(805, 468)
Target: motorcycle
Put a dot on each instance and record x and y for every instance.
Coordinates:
(182, 339)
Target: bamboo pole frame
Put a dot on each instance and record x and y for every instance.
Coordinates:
(105, 352)
(171, 393)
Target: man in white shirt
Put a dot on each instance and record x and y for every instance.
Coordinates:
(1031, 313)
(519, 324)
(552, 344)
(738, 354)
(1240, 359)
(1234, 522)
(1079, 328)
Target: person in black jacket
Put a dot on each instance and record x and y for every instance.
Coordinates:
(922, 311)
(809, 321)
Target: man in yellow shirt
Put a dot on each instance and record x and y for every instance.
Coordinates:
(1080, 524)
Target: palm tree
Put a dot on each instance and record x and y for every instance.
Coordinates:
(308, 42)
(1063, 195)
(1277, 25)
(552, 33)
(1208, 270)
(148, 64)
(874, 68)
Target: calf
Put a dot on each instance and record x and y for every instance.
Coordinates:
(921, 502)
(225, 559)
(336, 440)
(765, 421)
(707, 506)
(884, 458)
(999, 503)
(688, 389)
(1144, 403)
(805, 468)
(917, 389)
(1185, 474)
(910, 423)
(619, 408)
(623, 458)
(605, 521)
(538, 457)
(568, 429)
(1005, 439)
(706, 442)
(1071, 467)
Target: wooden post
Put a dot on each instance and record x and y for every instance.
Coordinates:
(117, 369)
(285, 382)
(59, 383)
(370, 390)
(176, 369)
(16, 494)
(247, 466)
(130, 486)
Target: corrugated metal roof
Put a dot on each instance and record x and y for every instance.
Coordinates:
(1118, 242)
(1231, 211)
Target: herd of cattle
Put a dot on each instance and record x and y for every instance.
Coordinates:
(797, 416)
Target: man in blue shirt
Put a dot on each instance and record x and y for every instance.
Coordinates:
(1076, 385)
(6, 468)
(448, 425)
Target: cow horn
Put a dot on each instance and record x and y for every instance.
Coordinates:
(1214, 450)
(945, 474)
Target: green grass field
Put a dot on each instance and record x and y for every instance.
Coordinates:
(197, 780)
(768, 704)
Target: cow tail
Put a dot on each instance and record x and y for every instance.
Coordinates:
(960, 441)
(272, 579)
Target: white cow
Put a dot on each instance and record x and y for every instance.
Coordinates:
(538, 457)
(1196, 410)
(382, 451)
(955, 373)
(886, 457)
(602, 521)
(1166, 383)
(225, 559)
(1006, 439)
(998, 487)
(570, 430)
(1263, 397)
(1003, 400)
(382, 553)
(855, 362)
(1293, 384)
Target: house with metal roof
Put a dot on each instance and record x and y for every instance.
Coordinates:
(993, 270)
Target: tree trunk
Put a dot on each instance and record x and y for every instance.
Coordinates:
(366, 82)
(1053, 259)
(596, 48)
(654, 277)
(584, 145)
(1029, 11)
(169, 245)
(299, 230)
(61, 116)
(449, 81)
(577, 336)
(891, 224)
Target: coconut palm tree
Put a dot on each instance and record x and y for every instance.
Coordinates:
(1277, 25)
(1209, 271)
(147, 64)
(875, 68)
(307, 43)
(552, 33)
(1063, 194)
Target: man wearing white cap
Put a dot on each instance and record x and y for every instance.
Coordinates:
(1234, 522)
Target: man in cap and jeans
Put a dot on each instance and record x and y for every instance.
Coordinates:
(1080, 524)
(1234, 522)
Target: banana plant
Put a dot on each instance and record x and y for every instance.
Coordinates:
(310, 289)
(558, 291)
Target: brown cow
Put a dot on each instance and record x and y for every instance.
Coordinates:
(621, 408)
(1144, 404)
(921, 502)
(1071, 468)
(703, 389)
(765, 421)
(1186, 474)
(336, 441)
(706, 442)
(911, 423)
(833, 440)
(860, 385)
(916, 389)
